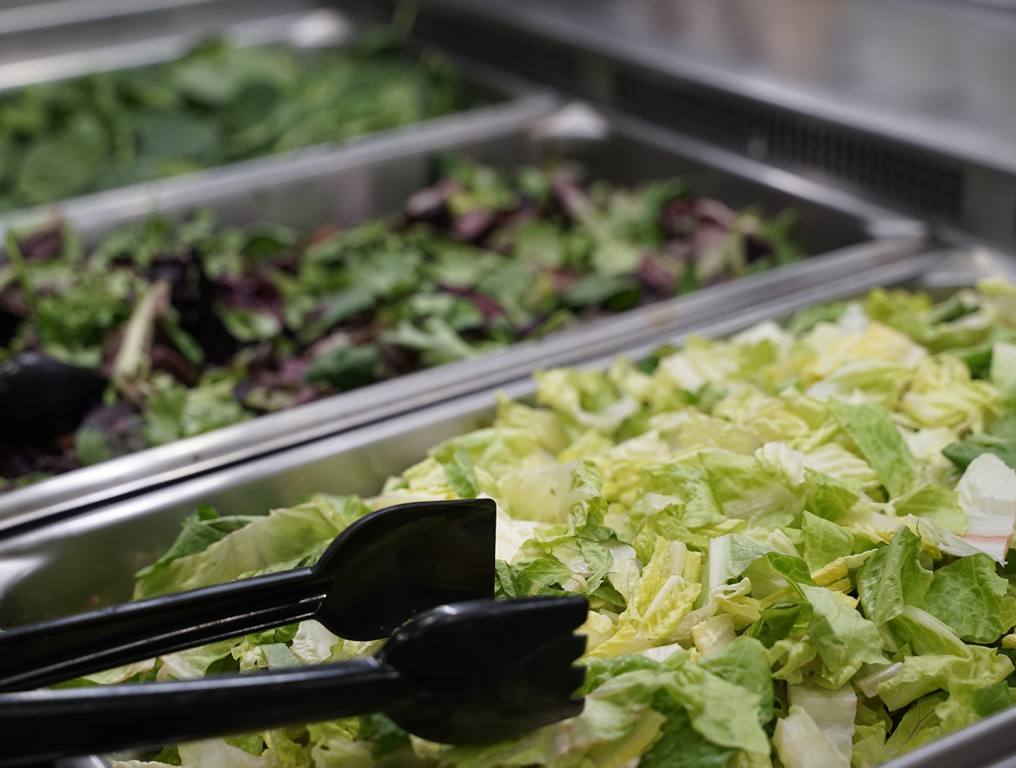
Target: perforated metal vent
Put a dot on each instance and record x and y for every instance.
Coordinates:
(521, 54)
(794, 141)
(891, 172)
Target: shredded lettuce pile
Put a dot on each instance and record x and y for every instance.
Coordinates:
(794, 543)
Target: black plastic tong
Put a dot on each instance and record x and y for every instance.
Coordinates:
(380, 571)
(468, 673)
(42, 398)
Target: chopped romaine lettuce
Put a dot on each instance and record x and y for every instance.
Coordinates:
(773, 575)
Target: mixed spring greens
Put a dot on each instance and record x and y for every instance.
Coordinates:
(794, 543)
(197, 327)
(216, 105)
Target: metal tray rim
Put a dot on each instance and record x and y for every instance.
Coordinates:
(57, 13)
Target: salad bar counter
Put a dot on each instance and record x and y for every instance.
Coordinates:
(268, 268)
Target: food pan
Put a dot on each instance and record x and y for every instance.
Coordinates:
(165, 32)
(89, 559)
(347, 184)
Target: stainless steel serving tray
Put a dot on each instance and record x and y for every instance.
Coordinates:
(160, 31)
(164, 30)
(89, 559)
(374, 176)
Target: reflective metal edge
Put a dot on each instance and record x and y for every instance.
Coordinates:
(167, 31)
(990, 743)
(90, 486)
(61, 29)
(408, 437)
(26, 16)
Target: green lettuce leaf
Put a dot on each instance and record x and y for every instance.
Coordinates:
(999, 440)
(631, 703)
(879, 441)
(800, 743)
(943, 394)
(744, 662)
(824, 541)
(919, 725)
(844, 640)
(679, 744)
(893, 577)
(746, 489)
(283, 536)
(972, 599)
(1003, 370)
(199, 531)
(732, 554)
(826, 496)
(921, 675)
(923, 633)
(936, 503)
(666, 591)
(832, 711)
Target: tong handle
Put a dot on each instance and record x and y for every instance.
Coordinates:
(42, 654)
(38, 726)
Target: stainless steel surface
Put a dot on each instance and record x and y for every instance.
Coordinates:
(90, 559)
(938, 76)
(999, 5)
(987, 744)
(913, 103)
(374, 177)
(83, 762)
